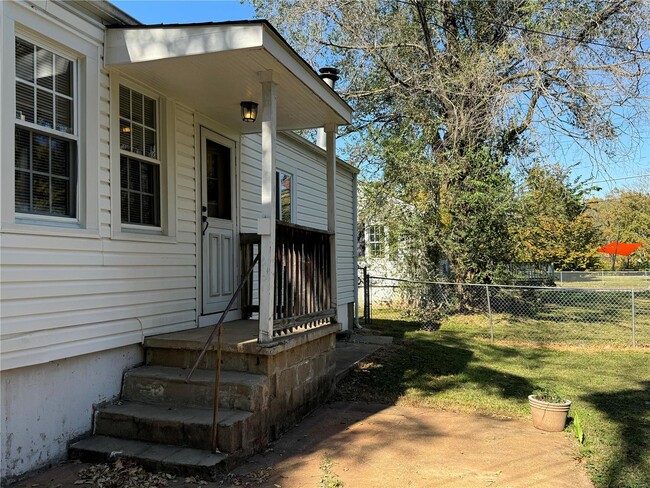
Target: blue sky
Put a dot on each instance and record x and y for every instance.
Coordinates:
(635, 162)
(175, 12)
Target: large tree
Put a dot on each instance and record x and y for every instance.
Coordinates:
(553, 223)
(449, 91)
(625, 215)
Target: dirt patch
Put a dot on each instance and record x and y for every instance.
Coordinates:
(367, 445)
(362, 445)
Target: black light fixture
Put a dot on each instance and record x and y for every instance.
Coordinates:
(248, 111)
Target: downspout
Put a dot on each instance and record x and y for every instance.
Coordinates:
(328, 75)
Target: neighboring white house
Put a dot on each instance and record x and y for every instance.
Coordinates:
(127, 178)
(384, 242)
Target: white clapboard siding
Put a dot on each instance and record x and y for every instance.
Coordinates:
(250, 170)
(345, 242)
(64, 296)
(21, 325)
(309, 171)
(104, 155)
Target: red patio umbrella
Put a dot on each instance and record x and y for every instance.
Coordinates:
(616, 248)
(620, 248)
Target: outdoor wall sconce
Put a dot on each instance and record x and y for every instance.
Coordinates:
(248, 111)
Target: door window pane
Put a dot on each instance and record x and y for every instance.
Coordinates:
(218, 180)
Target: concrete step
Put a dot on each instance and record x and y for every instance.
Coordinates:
(179, 425)
(183, 461)
(169, 354)
(166, 385)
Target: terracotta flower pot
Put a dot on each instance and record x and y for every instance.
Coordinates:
(550, 417)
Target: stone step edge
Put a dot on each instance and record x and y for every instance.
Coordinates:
(153, 457)
(200, 376)
(176, 413)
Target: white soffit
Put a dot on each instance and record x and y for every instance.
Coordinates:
(214, 67)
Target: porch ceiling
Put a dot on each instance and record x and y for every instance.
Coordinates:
(213, 67)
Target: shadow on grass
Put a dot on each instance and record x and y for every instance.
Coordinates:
(393, 326)
(422, 364)
(630, 411)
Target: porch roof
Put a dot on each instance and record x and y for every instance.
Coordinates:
(215, 66)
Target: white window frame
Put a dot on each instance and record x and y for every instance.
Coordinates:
(292, 198)
(33, 127)
(165, 133)
(146, 159)
(57, 38)
(369, 243)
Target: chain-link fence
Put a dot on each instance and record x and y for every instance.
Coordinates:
(576, 316)
(602, 279)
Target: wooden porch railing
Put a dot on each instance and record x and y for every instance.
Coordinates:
(302, 297)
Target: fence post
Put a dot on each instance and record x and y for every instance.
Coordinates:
(487, 294)
(633, 322)
(366, 295)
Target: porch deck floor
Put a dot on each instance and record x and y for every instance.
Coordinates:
(238, 335)
(235, 332)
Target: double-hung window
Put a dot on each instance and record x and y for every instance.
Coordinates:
(139, 159)
(376, 241)
(284, 196)
(46, 136)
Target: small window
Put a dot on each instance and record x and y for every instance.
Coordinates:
(284, 186)
(45, 132)
(218, 182)
(139, 159)
(376, 242)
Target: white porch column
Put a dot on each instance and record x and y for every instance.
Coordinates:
(266, 223)
(330, 147)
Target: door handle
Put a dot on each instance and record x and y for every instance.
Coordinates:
(204, 219)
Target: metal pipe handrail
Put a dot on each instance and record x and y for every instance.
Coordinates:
(223, 316)
(218, 327)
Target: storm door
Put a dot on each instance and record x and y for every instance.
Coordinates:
(218, 226)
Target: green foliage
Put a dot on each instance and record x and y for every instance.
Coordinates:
(444, 100)
(624, 214)
(576, 427)
(329, 479)
(548, 395)
(553, 225)
(476, 207)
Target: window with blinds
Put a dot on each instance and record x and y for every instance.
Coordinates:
(139, 159)
(45, 132)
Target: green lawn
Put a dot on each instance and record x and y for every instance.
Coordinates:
(596, 280)
(545, 316)
(454, 369)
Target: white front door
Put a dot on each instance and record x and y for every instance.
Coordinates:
(218, 224)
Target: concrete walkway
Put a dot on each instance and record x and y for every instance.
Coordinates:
(349, 352)
(381, 446)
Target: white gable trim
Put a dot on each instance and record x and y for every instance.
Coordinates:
(130, 45)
